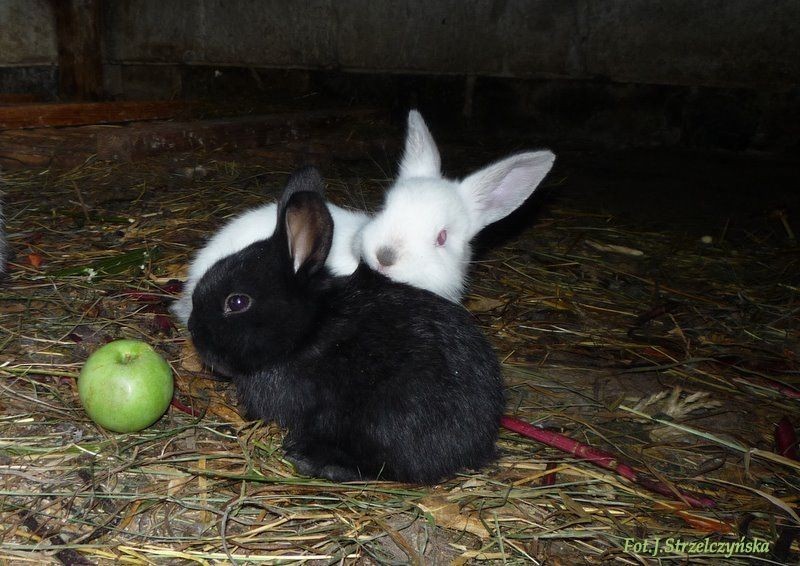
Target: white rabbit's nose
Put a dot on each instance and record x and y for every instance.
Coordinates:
(386, 256)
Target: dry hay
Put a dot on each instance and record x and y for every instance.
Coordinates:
(663, 350)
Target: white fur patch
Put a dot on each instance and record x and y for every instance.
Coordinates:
(257, 224)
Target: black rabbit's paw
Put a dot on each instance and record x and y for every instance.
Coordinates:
(306, 465)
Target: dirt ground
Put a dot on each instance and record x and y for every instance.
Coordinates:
(643, 302)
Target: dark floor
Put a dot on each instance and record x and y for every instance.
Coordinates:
(586, 328)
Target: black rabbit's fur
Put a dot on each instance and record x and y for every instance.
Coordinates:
(373, 379)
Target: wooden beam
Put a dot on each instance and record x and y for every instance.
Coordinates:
(301, 135)
(44, 115)
(140, 140)
(80, 58)
(62, 147)
(18, 98)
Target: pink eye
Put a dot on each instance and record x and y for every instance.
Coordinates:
(441, 238)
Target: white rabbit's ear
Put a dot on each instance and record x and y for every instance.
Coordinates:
(500, 188)
(421, 156)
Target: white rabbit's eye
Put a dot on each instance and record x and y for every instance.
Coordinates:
(237, 303)
(442, 237)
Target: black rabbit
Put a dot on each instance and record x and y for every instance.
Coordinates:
(373, 379)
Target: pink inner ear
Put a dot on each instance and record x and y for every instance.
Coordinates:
(507, 195)
(300, 240)
(441, 238)
(511, 190)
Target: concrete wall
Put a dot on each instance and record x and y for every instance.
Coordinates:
(719, 43)
(27, 33)
(722, 43)
(28, 55)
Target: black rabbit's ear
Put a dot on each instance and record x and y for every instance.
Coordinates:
(305, 179)
(309, 231)
(304, 220)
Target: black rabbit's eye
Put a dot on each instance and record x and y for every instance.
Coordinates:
(237, 303)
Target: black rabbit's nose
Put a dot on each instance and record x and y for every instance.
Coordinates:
(386, 256)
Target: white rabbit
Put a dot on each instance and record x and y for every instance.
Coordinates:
(422, 234)
(258, 224)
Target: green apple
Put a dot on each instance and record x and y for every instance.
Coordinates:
(125, 386)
